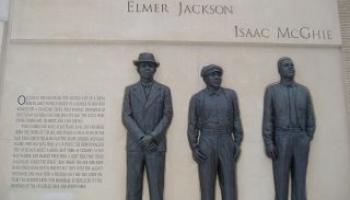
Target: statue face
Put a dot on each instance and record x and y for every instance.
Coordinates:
(213, 79)
(146, 70)
(286, 69)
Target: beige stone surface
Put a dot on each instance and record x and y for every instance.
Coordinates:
(4, 10)
(105, 69)
(109, 20)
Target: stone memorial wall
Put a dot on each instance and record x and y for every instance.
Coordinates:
(66, 65)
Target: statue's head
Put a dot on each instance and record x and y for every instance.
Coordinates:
(286, 68)
(146, 65)
(212, 75)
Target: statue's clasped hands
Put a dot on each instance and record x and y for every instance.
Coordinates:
(148, 143)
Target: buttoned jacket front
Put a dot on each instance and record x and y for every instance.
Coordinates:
(150, 115)
(276, 110)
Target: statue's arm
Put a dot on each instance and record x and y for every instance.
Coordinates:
(192, 129)
(237, 124)
(268, 119)
(310, 117)
(160, 130)
(128, 119)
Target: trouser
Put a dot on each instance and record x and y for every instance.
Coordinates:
(154, 162)
(292, 159)
(219, 149)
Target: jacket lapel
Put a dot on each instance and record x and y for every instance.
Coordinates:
(140, 94)
(153, 94)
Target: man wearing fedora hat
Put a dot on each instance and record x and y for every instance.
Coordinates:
(147, 113)
(213, 118)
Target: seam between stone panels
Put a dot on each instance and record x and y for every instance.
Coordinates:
(344, 16)
(163, 42)
(3, 55)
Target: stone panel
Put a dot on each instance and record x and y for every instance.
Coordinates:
(90, 69)
(283, 22)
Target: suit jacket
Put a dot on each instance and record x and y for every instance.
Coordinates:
(143, 116)
(276, 110)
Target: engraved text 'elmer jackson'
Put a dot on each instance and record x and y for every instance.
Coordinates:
(182, 8)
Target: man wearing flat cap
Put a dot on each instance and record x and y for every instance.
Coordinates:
(147, 113)
(213, 120)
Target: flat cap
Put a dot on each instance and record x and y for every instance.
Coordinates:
(211, 68)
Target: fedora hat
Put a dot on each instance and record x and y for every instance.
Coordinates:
(146, 57)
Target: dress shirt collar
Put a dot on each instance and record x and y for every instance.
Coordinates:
(212, 92)
(147, 85)
(288, 84)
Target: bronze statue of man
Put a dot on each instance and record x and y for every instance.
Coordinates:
(288, 128)
(147, 113)
(213, 117)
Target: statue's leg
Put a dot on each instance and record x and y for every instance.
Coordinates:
(281, 166)
(227, 169)
(155, 166)
(208, 168)
(135, 166)
(300, 161)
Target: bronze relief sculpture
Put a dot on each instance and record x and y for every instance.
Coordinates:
(213, 117)
(288, 128)
(147, 113)
(215, 132)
